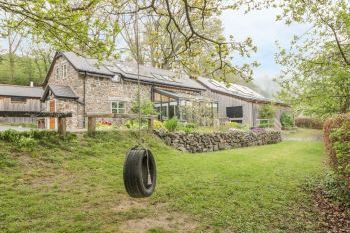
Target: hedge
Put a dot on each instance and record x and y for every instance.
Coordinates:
(308, 122)
(337, 143)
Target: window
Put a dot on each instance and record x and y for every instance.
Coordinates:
(18, 100)
(57, 75)
(65, 71)
(119, 107)
(234, 112)
(164, 111)
(116, 78)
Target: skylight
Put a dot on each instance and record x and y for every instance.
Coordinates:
(126, 69)
(163, 77)
(219, 84)
(114, 69)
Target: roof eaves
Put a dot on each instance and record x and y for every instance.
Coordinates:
(24, 96)
(95, 74)
(164, 84)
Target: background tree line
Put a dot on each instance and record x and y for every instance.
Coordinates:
(186, 35)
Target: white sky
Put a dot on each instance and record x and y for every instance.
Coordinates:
(262, 27)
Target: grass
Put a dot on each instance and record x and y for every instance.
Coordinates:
(302, 134)
(25, 125)
(76, 186)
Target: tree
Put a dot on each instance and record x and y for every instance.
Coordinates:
(90, 27)
(316, 74)
(14, 40)
(164, 46)
(42, 55)
(316, 68)
(81, 26)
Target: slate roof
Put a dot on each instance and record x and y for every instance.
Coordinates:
(128, 70)
(60, 92)
(182, 96)
(236, 90)
(20, 91)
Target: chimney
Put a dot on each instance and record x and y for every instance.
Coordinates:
(31, 84)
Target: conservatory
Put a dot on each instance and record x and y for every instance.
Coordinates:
(185, 107)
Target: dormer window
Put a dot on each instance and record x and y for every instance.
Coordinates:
(116, 78)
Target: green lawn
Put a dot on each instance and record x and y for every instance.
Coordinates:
(300, 134)
(77, 187)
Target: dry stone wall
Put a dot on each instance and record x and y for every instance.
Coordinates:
(205, 142)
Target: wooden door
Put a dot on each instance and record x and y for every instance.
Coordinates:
(52, 109)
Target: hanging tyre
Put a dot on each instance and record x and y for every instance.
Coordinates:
(140, 173)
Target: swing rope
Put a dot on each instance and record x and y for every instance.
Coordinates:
(140, 143)
(138, 72)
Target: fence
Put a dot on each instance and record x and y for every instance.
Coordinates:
(25, 104)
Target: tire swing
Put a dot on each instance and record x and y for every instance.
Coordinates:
(139, 173)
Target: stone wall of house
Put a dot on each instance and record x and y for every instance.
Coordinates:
(205, 142)
(73, 79)
(77, 119)
(101, 92)
(76, 82)
(97, 93)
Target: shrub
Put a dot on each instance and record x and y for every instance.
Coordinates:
(158, 124)
(337, 143)
(171, 124)
(258, 130)
(30, 139)
(147, 107)
(336, 188)
(308, 122)
(232, 124)
(104, 123)
(264, 124)
(235, 125)
(21, 139)
(266, 111)
(189, 127)
(286, 120)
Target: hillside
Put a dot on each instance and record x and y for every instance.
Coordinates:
(75, 185)
(26, 69)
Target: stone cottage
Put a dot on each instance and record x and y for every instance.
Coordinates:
(87, 86)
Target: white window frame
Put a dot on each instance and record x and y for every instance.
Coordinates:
(64, 70)
(57, 72)
(116, 78)
(118, 109)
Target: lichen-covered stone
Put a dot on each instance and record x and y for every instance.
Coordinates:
(199, 142)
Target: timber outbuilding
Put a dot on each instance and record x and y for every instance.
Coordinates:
(20, 98)
(240, 103)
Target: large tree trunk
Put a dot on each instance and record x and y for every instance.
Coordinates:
(12, 66)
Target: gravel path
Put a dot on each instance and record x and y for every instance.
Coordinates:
(18, 128)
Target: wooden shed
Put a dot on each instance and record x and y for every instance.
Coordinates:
(20, 98)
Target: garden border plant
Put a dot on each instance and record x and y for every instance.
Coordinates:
(309, 123)
(337, 143)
